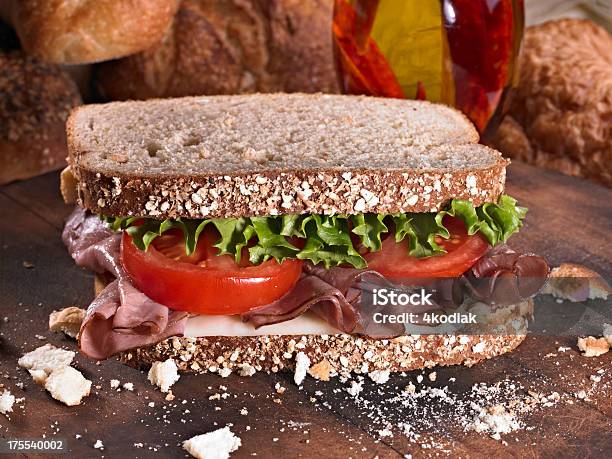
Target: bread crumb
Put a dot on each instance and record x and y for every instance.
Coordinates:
(163, 374)
(379, 376)
(355, 389)
(68, 385)
(114, 383)
(302, 364)
(46, 358)
(67, 320)
(279, 389)
(98, 445)
(432, 376)
(217, 444)
(321, 370)
(576, 283)
(39, 376)
(6, 402)
(128, 386)
(593, 347)
(494, 420)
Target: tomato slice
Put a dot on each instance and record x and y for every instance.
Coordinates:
(462, 251)
(204, 282)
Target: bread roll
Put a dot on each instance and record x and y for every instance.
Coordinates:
(561, 114)
(77, 32)
(231, 46)
(35, 99)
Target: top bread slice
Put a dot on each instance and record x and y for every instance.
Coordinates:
(271, 154)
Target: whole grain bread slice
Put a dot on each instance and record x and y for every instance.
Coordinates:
(269, 154)
(337, 354)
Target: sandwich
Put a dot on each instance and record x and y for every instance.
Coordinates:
(258, 232)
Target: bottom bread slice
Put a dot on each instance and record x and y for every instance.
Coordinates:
(328, 355)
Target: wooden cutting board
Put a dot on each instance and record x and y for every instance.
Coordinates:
(569, 220)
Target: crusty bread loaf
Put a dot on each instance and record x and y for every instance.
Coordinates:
(230, 47)
(224, 156)
(88, 31)
(35, 99)
(333, 353)
(561, 112)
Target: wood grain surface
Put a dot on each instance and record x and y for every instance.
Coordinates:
(569, 220)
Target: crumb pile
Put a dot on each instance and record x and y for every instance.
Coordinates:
(416, 410)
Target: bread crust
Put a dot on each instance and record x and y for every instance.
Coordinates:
(344, 353)
(395, 191)
(35, 99)
(230, 47)
(89, 31)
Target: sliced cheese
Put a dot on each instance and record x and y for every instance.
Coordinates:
(310, 324)
(209, 325)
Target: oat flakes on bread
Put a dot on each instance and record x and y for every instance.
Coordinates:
(341, 353)
(560, 112)
(35, 99)
(276, 154)
(231, 47)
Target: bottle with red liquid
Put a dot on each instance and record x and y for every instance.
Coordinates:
(459, 52)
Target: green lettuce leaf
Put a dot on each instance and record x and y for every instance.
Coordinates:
(271, 242)
(369, 228)
(235, 235)
(329, 239)
(496, 221)
(421, 230)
